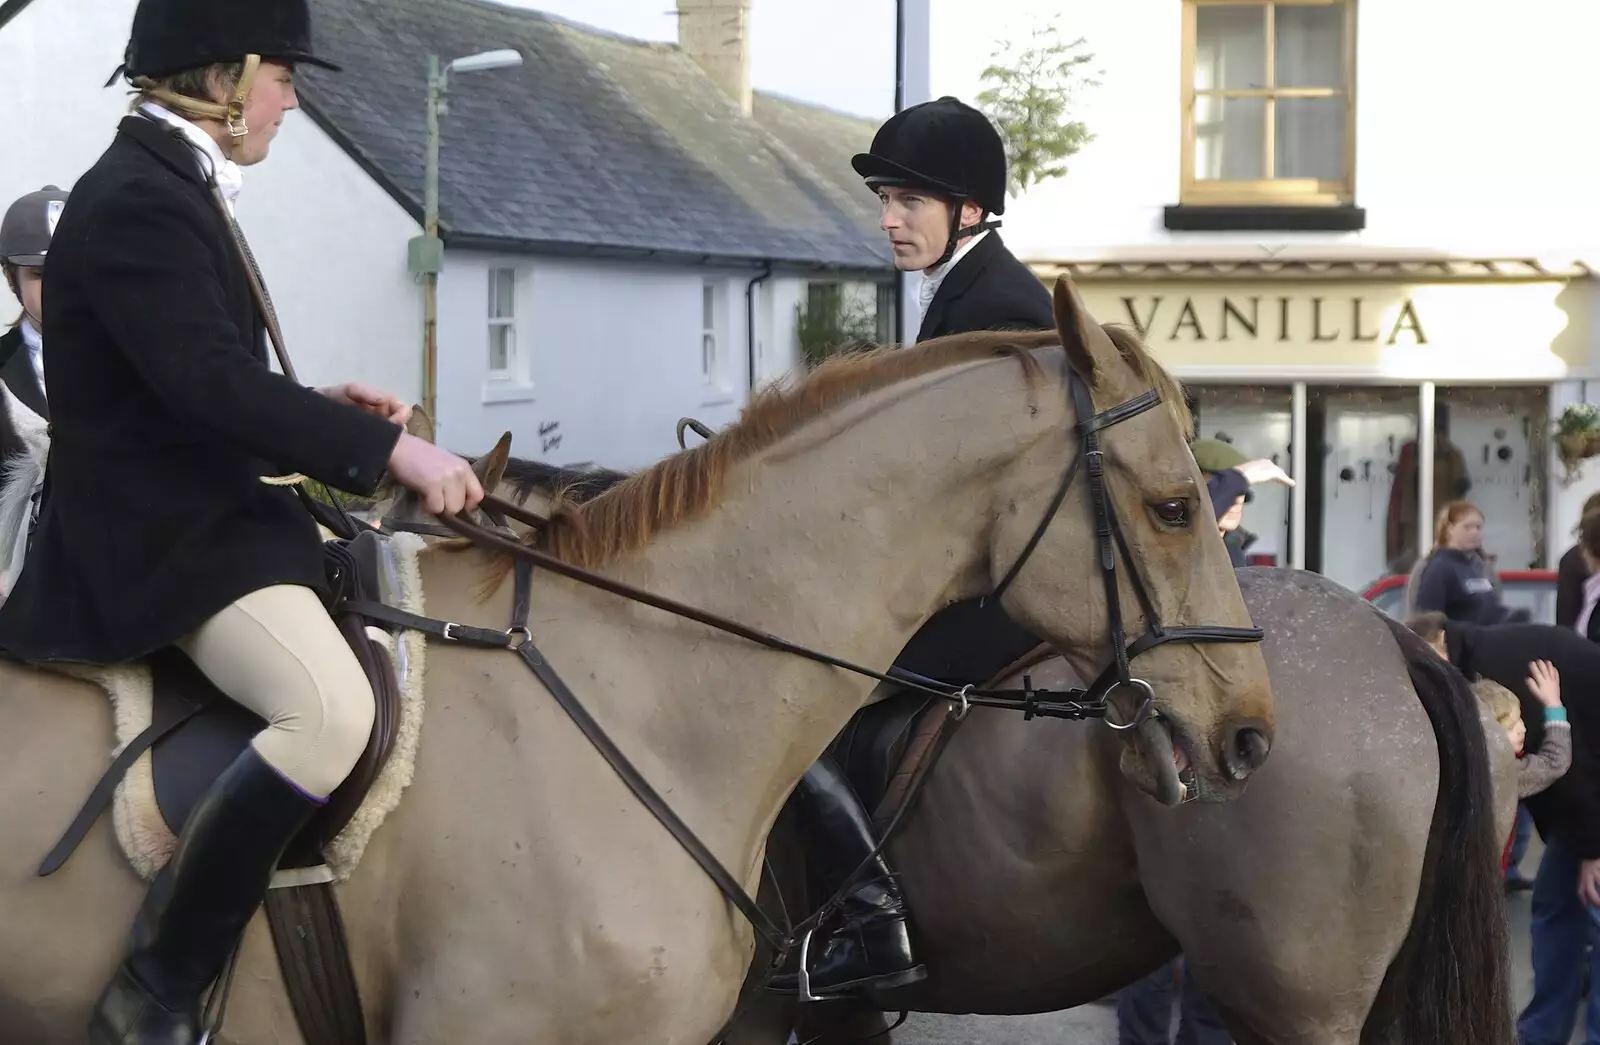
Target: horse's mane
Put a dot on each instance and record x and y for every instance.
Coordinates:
(590, 531)
(572, 485)
(1133, 350)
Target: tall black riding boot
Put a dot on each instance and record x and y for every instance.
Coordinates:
(199, 905)
(869, 948)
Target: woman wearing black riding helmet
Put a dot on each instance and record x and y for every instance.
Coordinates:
(156, 528)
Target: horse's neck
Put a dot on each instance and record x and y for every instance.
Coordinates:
(845, 538)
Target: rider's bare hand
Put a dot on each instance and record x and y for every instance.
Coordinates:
(365, 397)
(443, 480)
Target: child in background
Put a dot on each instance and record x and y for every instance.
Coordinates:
(1539, 769)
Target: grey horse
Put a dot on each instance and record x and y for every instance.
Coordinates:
(1351, 895)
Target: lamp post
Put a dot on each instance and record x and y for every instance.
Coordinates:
(427, 250)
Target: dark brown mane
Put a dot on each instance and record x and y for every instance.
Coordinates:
(628, 515)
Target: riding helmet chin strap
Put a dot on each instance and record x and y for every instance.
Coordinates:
(957, 233)
(231, 114)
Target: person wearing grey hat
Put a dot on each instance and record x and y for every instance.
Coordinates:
(1144, 1007)
(1229, 476)
(25, 233)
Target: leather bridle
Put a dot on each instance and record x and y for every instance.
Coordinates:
(1109, 540)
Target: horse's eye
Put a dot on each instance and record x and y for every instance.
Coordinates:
(1173, 513)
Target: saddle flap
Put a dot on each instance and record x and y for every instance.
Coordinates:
(872, 745)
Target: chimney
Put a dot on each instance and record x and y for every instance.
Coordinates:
(716, 34)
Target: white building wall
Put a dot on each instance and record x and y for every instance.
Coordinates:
(331, 243)
(610, 357)
(1453, 153)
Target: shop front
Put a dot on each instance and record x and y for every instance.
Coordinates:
(1387, 389)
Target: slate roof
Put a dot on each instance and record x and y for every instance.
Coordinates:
(597, 145)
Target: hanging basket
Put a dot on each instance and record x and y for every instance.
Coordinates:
(1576, 447)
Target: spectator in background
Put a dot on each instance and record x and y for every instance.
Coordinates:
(1566, 891)
(1587, 622)
(1457, 578)
(1229, 476)
(1549, 762)
(1573, 570)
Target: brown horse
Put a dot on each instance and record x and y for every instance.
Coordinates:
(1352, 894)
(520, 892)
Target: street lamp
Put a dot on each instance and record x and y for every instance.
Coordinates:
(427, 250)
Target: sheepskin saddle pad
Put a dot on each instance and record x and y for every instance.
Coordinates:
(175, 732)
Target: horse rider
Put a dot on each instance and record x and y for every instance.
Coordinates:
(156, 528)
(24, 241)
(24, 411)
(939, 170)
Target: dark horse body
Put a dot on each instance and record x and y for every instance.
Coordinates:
(1351, 895)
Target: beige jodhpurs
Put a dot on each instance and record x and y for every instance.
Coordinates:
(277, 652)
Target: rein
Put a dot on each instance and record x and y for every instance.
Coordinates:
(1090, 702)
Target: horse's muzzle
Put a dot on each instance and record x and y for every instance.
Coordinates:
(1245, 745)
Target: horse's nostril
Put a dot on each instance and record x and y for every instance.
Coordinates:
(1252, 746)
(1245, 751)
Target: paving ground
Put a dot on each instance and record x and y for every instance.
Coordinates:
(1096, 1024)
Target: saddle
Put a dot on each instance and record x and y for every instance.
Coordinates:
(212, 730)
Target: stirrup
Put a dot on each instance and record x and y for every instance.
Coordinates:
(803, 984)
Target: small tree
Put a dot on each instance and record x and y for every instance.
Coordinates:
(830, 322)
(1029, 98)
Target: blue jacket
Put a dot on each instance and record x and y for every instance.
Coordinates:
(1455, 583)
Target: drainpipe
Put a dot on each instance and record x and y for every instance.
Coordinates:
(750, 325)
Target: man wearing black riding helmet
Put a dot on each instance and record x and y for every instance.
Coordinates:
(939, 169)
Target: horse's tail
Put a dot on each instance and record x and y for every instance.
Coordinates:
(1451, 980)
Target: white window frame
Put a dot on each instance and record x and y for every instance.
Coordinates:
(514, 382)
(508, 322)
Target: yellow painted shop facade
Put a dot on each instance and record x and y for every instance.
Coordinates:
(1351, 372)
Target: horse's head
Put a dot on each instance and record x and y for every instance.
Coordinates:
(1212, 702)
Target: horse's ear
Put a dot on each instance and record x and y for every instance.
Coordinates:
(1085, 342)
(420, 424)
(491, 467)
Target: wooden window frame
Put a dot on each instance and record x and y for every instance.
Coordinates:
(1297, 192)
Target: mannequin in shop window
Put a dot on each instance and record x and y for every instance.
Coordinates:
(1450, 483)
